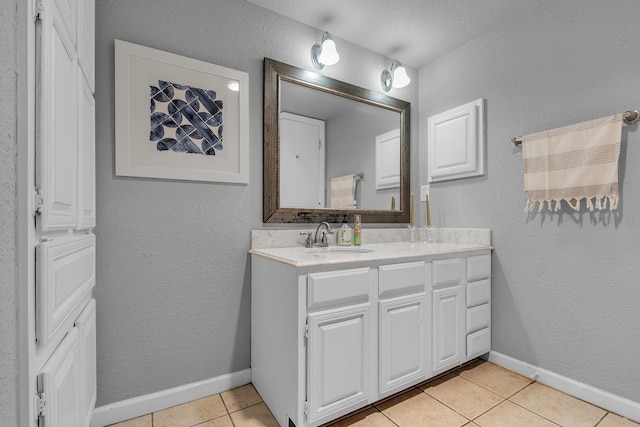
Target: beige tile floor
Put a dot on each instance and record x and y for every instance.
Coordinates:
(480, 394)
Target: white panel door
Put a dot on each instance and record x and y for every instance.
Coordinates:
(402, 342)
(338, 353)
(302, 159)
(59, 384)
(57, 123)
(62, 358)
(448, 328)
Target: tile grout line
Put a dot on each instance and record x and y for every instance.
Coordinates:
(601, 419)
(533, 412)
(469, 420)
(385, 415)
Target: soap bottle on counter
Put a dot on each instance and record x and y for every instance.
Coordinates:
(357, 230)
(345, 233)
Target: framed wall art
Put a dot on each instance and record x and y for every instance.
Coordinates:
(179, 118)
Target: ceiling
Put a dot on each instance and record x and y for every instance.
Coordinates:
(413, 31)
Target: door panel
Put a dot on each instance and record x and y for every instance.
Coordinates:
(57, 124)
(448, 326)
(86, 40)
(402, 342)
(86, 158)
(65, 274)
(338, 361)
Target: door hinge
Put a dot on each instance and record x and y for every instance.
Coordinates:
(38, 9)
(306, 407)
(305, 334)
(38, 201)
(40, 405)
(319, 144)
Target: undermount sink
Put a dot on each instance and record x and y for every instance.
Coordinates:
(338, 250)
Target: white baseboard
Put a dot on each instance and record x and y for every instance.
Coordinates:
(142, 405)
(619, 405)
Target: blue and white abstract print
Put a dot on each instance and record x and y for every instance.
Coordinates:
(185, 119)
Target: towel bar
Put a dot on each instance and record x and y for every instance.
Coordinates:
(628, 117)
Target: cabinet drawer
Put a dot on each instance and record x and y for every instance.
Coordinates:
(478, 267)
(478, 343)
(446, 272)
(401, 279)
(338, 288)
(478, 292)
(478, 317)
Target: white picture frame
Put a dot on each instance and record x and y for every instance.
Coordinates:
(179, 118)
(455, 143)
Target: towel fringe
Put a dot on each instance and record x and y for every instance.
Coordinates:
(594, 203)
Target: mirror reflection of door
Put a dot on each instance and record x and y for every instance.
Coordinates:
(302, 161)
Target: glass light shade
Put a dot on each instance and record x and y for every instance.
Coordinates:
(400, 77)
(329, 55)
(325, 54)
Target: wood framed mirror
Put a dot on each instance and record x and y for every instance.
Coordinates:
(355, 121)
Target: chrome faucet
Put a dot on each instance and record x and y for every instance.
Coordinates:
(313, 241)
(323, 240)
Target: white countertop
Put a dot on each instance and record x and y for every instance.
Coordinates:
(299, 256)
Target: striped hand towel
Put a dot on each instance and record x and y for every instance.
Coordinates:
(573, 163)
(343, 192)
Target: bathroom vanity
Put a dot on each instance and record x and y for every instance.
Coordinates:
(335, 329)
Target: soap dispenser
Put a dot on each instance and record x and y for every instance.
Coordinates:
(345, 233)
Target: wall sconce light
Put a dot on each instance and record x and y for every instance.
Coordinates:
(397, 77)
(324, 53)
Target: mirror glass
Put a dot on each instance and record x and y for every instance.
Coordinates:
(332, 150)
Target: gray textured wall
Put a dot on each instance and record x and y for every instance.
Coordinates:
(173, 275)
(566, 286)
(8, 207)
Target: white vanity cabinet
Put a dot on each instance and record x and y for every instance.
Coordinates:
(402, 326)
(329, 338)
(312, 340)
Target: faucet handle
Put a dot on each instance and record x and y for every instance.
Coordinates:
(324, 235)
(309, 239)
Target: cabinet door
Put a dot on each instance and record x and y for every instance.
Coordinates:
(57, 118)
(338, 367)
(58, 383)
(448, 328)
(402, 344)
